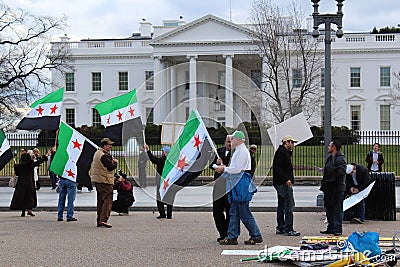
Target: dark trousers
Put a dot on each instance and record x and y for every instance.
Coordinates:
(161, 209)
(221, 215)
(104, 201)
(284, 211)
(142, 176)
(334, 211)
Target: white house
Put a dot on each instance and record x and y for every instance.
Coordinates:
(211, 64)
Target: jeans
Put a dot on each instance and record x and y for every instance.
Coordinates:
(334, 211)
(240, 211)
(53, 180)
(359, 210)
(67, 187)
(284, 211)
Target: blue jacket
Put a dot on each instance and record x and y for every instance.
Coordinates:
(240, 186)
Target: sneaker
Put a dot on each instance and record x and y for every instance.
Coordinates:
(72, 219)
(279, 232)
(220, 238)
(357, 220)
(59, 219)
(327, 232)
(161, 217)
(79, 191)
(253, 241)
(123, 214)
(104, 224)
(227, 241)
(292, 233)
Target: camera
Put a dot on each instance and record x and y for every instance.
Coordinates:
(116, 175)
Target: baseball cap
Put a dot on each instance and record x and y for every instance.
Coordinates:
(106, 141)
(288, 138)
(239, 135)
(166, 149)
(253, 146)
(349, 168)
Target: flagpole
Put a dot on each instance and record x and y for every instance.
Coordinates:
(207, 134)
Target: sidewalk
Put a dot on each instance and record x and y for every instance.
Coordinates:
(191, 198)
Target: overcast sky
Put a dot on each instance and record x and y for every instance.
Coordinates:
(120, 18)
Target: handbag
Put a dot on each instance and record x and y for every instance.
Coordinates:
(13, 181)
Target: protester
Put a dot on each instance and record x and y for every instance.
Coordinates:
(103, 167)
(125, 197)
(160, 162)
(333, 185)
(53, 176)
(283, 180)
(143, 158)
(24, 197)
(375, 159)
(35, 154)
(238, 182)
(357, 179)
(67, 188)
(220, 198)
(253, 154)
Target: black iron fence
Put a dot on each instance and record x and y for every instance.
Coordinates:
(305, 157)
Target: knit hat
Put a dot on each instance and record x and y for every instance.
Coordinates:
(239, 135)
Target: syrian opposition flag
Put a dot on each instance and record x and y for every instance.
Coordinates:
(45, 113)
(121, 117)
(5, 150)
(74, 155)
(188, 157)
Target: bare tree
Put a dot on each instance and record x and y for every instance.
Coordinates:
(26, 58)
(395, 92)
(292, 64)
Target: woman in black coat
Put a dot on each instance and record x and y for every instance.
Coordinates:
(24, 197)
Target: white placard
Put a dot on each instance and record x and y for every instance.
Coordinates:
(297, 126)
(170, 132)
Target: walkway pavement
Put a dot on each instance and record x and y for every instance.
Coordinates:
(190, 198)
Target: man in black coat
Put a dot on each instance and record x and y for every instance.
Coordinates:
(160, 162)
(282, 180)
(220, 198)
(357, 179)
(333, 185)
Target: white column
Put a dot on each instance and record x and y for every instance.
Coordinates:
(164, 89)
(228, 91)
(157, 91)
(263, 112)
(193, 82)
(173, 91)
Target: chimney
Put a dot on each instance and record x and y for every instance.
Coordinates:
(145, 28)
(64, 39)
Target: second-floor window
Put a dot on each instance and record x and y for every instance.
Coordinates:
(297, 78)
(96, 81)
(123, 81)
(69, 82)
(149, 76)
(385, 77)
(355, 77)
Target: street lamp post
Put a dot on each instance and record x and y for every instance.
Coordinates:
(327, 19)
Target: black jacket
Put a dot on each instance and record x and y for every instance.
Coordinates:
(369, 159)
(159, 162)
(225, 159)
(334, 176)
(282, 166)
(362, 177)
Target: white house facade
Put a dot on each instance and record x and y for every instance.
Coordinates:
(211, 65)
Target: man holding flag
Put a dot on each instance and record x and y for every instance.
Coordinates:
(238, 185)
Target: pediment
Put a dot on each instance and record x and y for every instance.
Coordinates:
(383, 98)
(70, 101)
(208, 29)
(147, 101)
(94, 101)
(356, 98)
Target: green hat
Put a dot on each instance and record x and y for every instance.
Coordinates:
(239, 135)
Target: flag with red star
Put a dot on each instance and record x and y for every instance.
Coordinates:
(45, 113)
(73, 156)
(188, 157)
(5, 150)
(121, 117)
